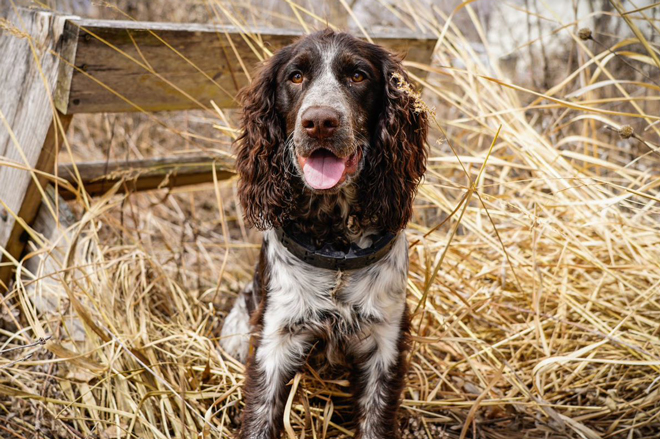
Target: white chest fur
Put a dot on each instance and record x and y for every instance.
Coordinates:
(301, 295)
(308, 300)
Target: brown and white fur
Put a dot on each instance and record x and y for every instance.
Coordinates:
(328, 91)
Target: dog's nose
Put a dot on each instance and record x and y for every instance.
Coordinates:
(320, 122)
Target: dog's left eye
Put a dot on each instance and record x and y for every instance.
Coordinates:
(357, 77)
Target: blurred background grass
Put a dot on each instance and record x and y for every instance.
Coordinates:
(534, 269)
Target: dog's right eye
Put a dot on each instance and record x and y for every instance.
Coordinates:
(296, 77)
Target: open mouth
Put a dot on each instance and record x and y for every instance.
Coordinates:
(324, 170)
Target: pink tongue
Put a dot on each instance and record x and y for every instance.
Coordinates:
(323, 169)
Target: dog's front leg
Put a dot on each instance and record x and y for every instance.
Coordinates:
(379, 372)
(279, 354)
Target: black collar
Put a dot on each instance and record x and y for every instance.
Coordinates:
(332, 259)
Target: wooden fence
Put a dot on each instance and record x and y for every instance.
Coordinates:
(53, 66)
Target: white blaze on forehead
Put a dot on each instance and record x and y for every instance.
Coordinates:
(325, 90)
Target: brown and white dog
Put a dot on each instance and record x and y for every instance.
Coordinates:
(332, 150)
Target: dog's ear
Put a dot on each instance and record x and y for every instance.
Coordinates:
(263, 190)
(397, 160)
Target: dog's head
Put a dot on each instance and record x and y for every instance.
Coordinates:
(327, 112)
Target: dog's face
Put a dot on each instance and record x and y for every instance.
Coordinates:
(326, 112)
(329, 91)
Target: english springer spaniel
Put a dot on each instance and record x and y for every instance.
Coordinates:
(331, 153)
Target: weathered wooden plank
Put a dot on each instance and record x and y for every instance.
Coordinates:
(28, 137)
(142, 175)
(127, 66)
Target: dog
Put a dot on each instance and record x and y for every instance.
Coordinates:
(332, 149)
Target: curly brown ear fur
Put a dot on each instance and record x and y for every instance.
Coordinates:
(397, 160)
(261, 161)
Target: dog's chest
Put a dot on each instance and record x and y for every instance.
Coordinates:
(304, 297)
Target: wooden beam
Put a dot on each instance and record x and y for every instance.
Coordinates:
(143, 175)
(29, 135)
(121, 66)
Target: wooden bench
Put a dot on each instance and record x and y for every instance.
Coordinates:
(54, 66)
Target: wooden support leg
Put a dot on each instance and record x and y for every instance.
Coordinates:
(12, 232)
(29, 136)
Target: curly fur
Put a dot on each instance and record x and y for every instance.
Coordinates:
(391, 177)
(264, 189)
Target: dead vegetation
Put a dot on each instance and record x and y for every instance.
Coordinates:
(535, 259)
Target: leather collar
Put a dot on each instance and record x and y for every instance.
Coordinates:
(332, 259)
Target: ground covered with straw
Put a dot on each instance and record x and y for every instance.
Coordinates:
(535, 255)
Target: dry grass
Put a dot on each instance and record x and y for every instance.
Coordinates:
(535, 266)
